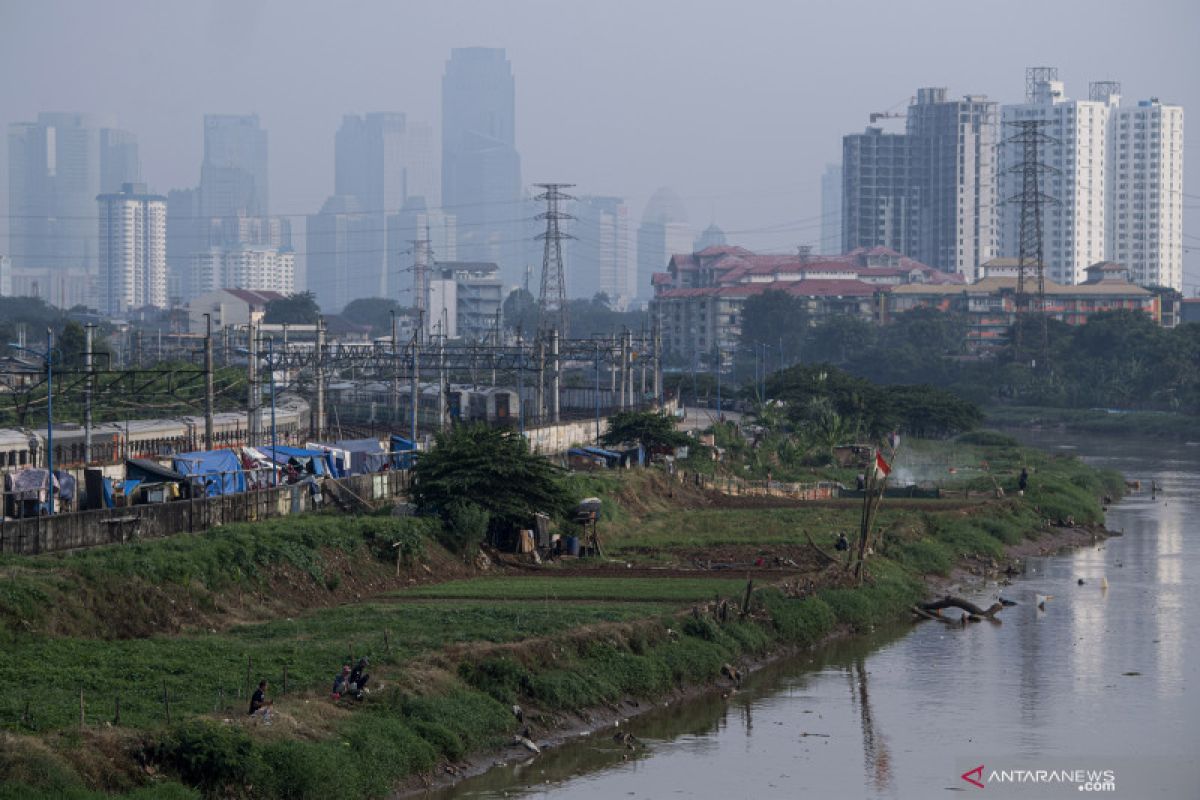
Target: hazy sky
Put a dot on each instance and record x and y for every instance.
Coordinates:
(736, 105)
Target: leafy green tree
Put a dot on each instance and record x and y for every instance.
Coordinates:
(492, 469)
(295, 309)
(374, 311)
(647, 428)
(772, 316)
(520, 312)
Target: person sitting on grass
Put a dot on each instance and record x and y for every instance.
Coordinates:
(260, 706)
(359, 678)
(341, 682)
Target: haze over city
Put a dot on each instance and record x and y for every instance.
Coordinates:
(737, 108)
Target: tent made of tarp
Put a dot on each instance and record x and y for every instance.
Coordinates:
(404, 452)
(143, 469)
(366, 455)
(611, 457)
(216, 472)
(314, 462)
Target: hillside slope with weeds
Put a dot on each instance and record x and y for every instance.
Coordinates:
(216, 578)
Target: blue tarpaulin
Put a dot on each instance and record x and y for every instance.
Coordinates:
(404, 452)
(219, 470)
(316, 462)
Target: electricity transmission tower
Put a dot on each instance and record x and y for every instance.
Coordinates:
(552, 301)
(422, 264)
(1030, 137)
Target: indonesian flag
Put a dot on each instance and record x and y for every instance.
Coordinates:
(882, 468)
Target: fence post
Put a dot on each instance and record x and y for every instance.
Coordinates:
(117, 715)
(82, 718)
(249, 667)
(285, 677)
(166, 701)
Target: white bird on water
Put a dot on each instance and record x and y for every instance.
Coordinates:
(1040, 600)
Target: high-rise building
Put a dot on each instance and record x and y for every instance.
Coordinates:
(343, 262)
(251, 267)
(133, 250)
(953, 179)
(1073, 224)
(1145, 191)
(416, 222)
(712, 236)
(663, 233)
(481, 170)
(233, 175)
(56, 167)
(598, 259)
(831, 209)
(6, 282)
(878, 207)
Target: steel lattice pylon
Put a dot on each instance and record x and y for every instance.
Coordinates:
(552, 300)
(1030, 137)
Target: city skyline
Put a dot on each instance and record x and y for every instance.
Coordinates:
(764, 189)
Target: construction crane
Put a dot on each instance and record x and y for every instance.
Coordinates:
(891, 113)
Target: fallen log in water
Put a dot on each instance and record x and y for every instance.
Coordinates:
(966, 605)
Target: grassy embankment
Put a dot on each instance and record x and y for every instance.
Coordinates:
(1157, 424)
(451, 659)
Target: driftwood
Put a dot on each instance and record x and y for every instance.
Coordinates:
(933, 611)
(966, 605)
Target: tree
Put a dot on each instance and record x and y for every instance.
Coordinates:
(374, 311)
(520, 312)
(295, 309)
(490, 468)
(648, 428)
(772, 315)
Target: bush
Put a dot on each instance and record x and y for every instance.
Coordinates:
(502, 678)
(466, 526)
(208, 755)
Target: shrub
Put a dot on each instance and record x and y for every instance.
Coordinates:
(798, 621)
(208, 755)
(986, 438)
(466, 526)
(502, 678)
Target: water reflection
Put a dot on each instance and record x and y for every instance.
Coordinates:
(1099, 675)
(876, 757)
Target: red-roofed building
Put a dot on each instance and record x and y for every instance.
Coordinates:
(698, 300)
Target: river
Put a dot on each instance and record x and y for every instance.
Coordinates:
(1098, 681)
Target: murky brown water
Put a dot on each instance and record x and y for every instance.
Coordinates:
(1100, 680)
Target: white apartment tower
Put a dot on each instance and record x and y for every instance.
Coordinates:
(262, 269)
(133, 250)
(1074, 233)
(1145, 189)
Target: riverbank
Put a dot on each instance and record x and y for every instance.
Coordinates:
(566, 643)
(1157, 424)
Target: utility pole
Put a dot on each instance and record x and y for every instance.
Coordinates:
(274, 440)
(319, 379)
(555, 375)
(552, 301)
(254, 394)
(1030, 136)
(395, 373)
(541, 379)
(597, 362)
(416, 384)
(88, 334)
(208, 382)
(50, 416)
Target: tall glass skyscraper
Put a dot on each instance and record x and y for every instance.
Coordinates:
(481, 170)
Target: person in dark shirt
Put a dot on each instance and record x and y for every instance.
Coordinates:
(359, 678)
(843, 544)
(1023, 481)
(260, 706)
